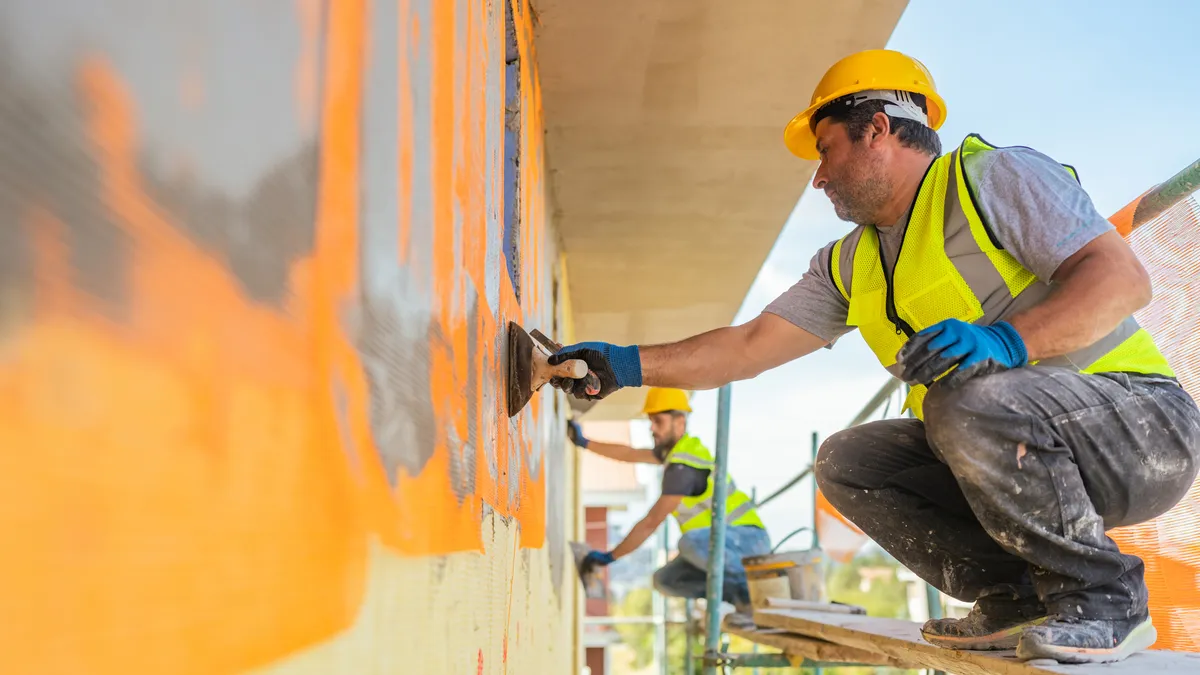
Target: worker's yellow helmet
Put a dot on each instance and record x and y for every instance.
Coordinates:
(662, 399)
(866, 70)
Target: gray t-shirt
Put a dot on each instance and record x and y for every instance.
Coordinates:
(1035, 209)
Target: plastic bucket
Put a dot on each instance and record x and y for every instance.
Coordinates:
(799, 575)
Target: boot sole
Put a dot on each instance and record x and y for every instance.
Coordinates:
(999, 640)
(1138, 639)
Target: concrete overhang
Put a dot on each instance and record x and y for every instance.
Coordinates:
(668, 175)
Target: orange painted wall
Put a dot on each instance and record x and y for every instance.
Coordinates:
(252, 304)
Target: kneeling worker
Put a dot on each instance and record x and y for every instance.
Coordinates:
(687, 491)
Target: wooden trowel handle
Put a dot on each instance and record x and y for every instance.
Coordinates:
(576, 369)
(590, 379)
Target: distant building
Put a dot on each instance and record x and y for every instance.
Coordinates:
(606, 485)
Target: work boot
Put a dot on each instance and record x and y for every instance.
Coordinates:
(999, 628)
(738, 621)
(1069, 639)
(741, 617)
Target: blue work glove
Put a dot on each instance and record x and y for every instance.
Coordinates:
(602, 558)
(616, 367)
(969, 349)
(576, 434)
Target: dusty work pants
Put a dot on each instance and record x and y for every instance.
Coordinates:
(686, 575)
(1005, 491)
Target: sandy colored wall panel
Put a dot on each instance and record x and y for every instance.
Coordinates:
(253, 293)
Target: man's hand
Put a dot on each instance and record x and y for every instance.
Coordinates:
(576, 434)
(969, 349)
(616, 367)
(601, 558)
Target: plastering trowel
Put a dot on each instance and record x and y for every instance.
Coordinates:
(529, 368)
(589, 575)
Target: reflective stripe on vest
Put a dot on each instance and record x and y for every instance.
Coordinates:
(950, 265)
(696, 512)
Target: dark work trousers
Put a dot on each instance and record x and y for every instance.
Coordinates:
(1005, 491)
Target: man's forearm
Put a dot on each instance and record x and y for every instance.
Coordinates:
(621, 453)
(636, 537)
(1079, 311)
(705, 361)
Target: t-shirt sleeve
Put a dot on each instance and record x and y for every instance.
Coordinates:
(1033, 207)
(681, 480)
(814, 303)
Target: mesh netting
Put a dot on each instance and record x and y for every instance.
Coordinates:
(1169, 247)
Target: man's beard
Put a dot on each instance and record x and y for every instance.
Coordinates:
(661, 450)
(861, 196)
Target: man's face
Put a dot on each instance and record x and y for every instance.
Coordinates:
(667, 429)
(852, 174)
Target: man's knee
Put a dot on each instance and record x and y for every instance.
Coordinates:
(678, 580)
(835, 459)
(843, 469)
(662, 581)
(849, 459)
(960, 420)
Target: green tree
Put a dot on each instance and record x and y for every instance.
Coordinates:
(870, 581)
(637, 636)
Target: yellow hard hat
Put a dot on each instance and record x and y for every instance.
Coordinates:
(870, 69)
(662, 399)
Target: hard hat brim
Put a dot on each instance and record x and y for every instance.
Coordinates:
(662, 399)
(800, 140)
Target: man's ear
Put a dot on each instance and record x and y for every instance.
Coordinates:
(881, 127)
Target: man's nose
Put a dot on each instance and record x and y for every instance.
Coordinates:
(820, 180)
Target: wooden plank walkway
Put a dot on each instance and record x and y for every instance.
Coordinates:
(817, 650)
(892, 641)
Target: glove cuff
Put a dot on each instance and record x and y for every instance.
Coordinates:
(1013, 342)
(626, 363)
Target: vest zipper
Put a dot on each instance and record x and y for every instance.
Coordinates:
(902, 327)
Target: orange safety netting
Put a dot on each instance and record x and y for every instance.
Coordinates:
(1169, 247)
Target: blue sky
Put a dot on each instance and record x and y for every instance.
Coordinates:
(1109, 87)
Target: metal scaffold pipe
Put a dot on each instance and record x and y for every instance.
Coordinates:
(716, 538)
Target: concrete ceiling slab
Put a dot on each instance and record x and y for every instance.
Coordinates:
(668, 175)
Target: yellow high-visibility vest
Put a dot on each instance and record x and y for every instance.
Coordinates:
(696, 512)
(951, 266)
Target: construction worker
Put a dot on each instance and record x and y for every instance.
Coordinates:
(1045, 415)
(687, 490)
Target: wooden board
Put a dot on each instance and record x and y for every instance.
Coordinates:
(817, 650)
(901, 640)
